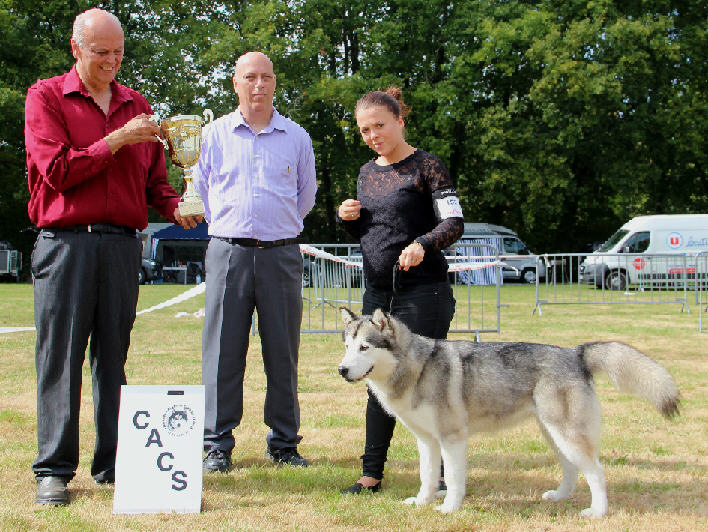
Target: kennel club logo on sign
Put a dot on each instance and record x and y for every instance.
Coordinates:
(159, 458)
(178, 420)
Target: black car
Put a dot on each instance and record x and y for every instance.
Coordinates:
(150, 270)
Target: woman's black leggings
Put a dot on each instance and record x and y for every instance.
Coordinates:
(427, 310)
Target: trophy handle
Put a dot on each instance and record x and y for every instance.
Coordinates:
(161, 136)
(208, 116)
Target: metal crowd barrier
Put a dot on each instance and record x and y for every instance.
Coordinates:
(616, 278)
(335, 280)
(702, 289)
(328, 285)
(477, 291)
(10, 262)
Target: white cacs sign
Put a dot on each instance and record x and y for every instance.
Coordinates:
(159, 458)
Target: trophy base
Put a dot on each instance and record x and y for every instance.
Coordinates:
(191, 207)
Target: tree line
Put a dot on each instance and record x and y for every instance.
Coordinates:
(560, 119)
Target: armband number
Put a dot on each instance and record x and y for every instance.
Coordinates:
(448, 207)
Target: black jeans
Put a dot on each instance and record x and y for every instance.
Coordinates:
(426, 310)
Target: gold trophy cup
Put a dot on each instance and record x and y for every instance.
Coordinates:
(182, 135)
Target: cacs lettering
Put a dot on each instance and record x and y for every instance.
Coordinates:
(178, 420)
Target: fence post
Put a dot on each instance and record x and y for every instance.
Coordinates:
(701, 278)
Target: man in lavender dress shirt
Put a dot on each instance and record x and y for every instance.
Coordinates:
(256, 175)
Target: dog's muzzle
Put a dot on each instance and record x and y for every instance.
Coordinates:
(344, 372)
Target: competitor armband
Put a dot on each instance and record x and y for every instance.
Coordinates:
(447, 204)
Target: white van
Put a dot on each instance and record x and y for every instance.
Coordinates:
(673, 239)
(520, 262)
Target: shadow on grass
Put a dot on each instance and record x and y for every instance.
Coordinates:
(513, 483)
(507, 462)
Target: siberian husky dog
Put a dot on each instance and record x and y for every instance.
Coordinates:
(445, 390)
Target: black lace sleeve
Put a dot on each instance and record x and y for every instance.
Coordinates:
(351, 227)
(442, 192)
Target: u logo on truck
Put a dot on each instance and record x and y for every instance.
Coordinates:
(674, 240)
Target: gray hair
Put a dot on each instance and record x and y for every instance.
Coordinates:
(82, 20)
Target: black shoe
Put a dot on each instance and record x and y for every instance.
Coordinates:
(357, 488)
(105, 478)
(288, 455)
(52, 490)
(217, 460)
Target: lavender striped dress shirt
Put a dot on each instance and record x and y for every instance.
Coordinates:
(256, 185)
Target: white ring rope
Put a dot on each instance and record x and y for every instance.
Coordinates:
(184, 296)
(309, 250)
(454, 267)
(15, 329)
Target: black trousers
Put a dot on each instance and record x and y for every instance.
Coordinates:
(426, 310)
(85, 287)
(240, 280)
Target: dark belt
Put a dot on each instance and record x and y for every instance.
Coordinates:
(255, 243)
(95, 228)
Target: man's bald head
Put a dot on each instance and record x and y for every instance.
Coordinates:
(98, 47)
(251, 59)
(254, 82)
(92, 19)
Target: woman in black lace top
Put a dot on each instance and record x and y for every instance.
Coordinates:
(405, 214)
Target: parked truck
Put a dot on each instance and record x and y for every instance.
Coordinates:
(658, 250)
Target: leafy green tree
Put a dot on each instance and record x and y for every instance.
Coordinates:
(560, 119)
(35, 45)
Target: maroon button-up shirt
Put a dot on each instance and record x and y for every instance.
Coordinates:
(73, 177)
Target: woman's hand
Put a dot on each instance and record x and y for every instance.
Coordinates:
(412, 255)
(349, 210)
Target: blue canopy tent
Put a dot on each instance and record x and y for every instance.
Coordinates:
(177, 232)
(176, 246)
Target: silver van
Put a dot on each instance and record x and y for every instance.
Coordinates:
(520, 261)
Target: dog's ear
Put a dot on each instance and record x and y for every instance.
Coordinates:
(381, 320)
(347, 315)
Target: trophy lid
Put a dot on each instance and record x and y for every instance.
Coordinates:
(177, 118)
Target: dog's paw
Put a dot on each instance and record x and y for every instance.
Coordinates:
(418, 500)
(447, 508)
(444, 509)
(449, 505)
(554, 495)
(592, 513)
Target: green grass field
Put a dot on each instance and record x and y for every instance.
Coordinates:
(656, 469)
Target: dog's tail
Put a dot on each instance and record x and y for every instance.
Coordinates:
(634, 372)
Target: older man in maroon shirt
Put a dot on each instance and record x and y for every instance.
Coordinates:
(94, 165)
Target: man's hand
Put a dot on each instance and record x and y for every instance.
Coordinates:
(141, 128)
(188, 222)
